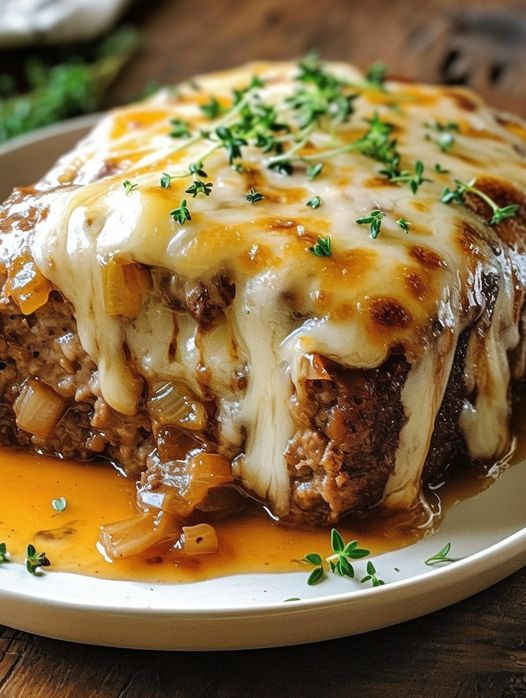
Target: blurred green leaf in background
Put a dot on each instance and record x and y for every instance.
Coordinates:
(73, 84)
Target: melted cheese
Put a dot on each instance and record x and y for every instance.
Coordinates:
(429, 273)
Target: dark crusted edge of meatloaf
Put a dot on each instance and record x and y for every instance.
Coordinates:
(339, 459)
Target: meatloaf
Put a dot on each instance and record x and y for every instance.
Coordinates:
(313, 274)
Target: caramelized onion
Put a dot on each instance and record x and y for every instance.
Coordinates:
(26, 285)
(123, 286)
(199, 539)
(174, 443)
(173, 403)
(179, 486)
(38, 408)
(133, 536)
(221, 502)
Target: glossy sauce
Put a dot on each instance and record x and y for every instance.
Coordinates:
(96, 495)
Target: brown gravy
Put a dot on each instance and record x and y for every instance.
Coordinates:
(96, 494)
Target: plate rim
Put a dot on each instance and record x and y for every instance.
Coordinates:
(509, 552)
(509, 549)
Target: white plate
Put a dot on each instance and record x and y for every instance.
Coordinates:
(244, 611)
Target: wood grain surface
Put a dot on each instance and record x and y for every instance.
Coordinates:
(475, 648)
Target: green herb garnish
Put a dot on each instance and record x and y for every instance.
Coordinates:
(213, 109)
(199, 187)
(342, 553)
(166, 180)
(181, 214)
(180, 128)
(254, 196)
(314, 202)
(318, 573)
(373, 219)
(196, 168)
(440, 169)
(4, 555)
(231, 142)
(314, 170)
(499, 213)
(34, 560)
(73, 86)
(129, 187)
(321, 95)
(322, 247)
(404, 224)
(339, 562)
(441, 556)
(283, 167)
(404, 177)
(372, 576)
(377, 142)
(59, 504)
(375, 76)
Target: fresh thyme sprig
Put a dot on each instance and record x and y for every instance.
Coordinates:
(342, 553)
(376, 143)
(212, 109)
(314, 202)
(404, 224)
(4, 555)
(73, 85)
(318, 573)
(499, 213)
(180, 128)
(322, 247)
(129, 186)
(181, 214)
(375, 76)
(230, 142)
(34, 560)
(339, 561)
(374, 220)
(414, 181)
(254, 196)
(321, 95)
(199, 187)
(441, 556)
(314, 170)
(372, 576)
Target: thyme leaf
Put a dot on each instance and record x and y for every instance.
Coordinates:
(181, 214)
(374, 220)
(4, 555)
(322, 247)
(457, 195)
(129, 187)
(35, 560)
(254, 196)
(441, 556)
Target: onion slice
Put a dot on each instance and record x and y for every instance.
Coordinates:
(136, 534)
(199, 539)
(38, 408)
(174, 404)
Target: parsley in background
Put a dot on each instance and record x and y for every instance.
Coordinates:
(75, 84)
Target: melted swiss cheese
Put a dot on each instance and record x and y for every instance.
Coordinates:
(418, 290)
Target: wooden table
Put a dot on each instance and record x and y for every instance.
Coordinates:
(476, 648)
